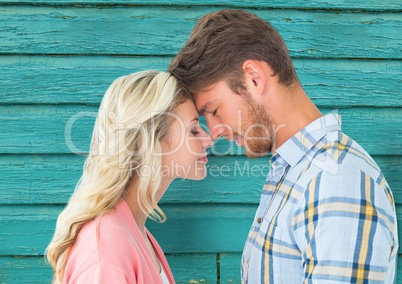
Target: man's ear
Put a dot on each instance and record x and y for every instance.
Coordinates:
(254, 76)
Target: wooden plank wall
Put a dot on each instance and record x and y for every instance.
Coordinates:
(58, 57)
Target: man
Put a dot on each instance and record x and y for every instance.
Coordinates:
(326, 213)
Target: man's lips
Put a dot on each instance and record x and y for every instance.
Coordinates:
(239, 140)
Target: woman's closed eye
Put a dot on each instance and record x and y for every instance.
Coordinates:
(194, 131)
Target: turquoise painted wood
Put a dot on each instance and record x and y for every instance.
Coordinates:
(330, 83)
(187, 268)
(68, 129)
(189, 228)
(370, 5)
(203, 228)
(194, 269)
(57, 58)
(185, 225)
(162, 31)
(49, 179)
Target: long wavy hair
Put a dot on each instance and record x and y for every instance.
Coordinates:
(133, 118)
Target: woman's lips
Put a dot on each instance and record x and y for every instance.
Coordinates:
(203, 159)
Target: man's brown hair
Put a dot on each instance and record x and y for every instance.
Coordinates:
(220, 43)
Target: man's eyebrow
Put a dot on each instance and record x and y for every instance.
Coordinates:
(203, 108)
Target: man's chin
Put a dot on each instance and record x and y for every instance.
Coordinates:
(257, 149)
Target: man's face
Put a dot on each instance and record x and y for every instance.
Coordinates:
(236, 117)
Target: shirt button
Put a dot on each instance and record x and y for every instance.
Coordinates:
(259, 220)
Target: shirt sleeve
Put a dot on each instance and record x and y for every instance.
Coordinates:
(101, 273)
(345, 227)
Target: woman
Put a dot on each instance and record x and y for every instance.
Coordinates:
(146, 135)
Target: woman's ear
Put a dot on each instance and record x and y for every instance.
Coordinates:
(254, 76)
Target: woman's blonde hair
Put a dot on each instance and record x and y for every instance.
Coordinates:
(133, 118)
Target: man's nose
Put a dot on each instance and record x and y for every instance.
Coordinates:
(216, 130)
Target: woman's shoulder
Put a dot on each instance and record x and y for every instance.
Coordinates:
(113, 231)
(110, 232)
(109, 239)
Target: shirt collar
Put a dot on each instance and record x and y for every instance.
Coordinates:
(294, 149)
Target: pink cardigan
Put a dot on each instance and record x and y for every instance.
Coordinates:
(112, 250)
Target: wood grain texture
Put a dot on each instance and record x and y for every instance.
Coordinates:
(58, 57)
(187, 268)
(230, 264)
(195, 268)
(212, 228)
(163, 30)
(24, 270)
(68, 129)
(51, 179)
(84, 80)
(371, 5)
(201, 228)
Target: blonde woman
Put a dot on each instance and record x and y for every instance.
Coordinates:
(146, 134)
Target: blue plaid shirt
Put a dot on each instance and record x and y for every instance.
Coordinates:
(326, 214)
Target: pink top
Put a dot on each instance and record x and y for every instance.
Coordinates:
(111, 249)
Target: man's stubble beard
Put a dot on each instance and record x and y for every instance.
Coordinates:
(257, 125)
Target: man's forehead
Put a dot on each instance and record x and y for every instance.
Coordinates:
(203, 99)
(202, 105)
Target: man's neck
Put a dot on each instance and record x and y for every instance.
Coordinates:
(293, 111)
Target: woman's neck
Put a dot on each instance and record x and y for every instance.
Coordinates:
(131, 199)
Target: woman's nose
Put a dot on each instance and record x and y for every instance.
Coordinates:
(208, 142)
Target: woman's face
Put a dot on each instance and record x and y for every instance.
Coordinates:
(184, 149)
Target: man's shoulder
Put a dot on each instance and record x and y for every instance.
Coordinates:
(338, 151)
